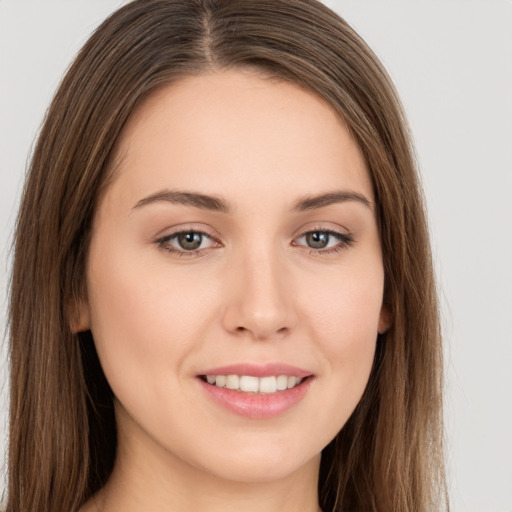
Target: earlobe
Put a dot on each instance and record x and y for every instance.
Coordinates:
(80, 317)
(384, 320)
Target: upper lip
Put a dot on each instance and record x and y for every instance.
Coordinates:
(258, 370)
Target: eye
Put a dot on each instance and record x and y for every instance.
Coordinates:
(324, 240)
(184, 242)
(189, 241)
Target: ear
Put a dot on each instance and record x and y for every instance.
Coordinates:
(384, 320)
(80, 318)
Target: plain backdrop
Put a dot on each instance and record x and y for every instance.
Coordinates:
(451, 61)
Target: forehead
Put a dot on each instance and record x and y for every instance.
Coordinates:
(230, 127)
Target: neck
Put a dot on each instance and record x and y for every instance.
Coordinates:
(208, 495)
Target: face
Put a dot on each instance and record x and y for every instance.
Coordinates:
(237, 247)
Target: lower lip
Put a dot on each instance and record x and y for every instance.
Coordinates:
(257, 406)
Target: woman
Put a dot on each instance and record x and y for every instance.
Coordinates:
(222, 292)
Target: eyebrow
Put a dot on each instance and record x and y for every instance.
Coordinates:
(213, 203)
(322, 200)
(202, 201)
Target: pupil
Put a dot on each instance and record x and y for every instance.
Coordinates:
(317, 239)
(190, 241)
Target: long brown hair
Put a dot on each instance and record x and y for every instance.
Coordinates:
(388, 456)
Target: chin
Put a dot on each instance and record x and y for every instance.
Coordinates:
(256, 463)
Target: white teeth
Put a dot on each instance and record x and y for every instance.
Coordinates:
(292, 381)
(220, 381)
(250, 384)
(268, 385)
(282, 382)
(233, 382)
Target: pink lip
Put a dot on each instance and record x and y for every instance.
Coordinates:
(255, 370)
(252, 405)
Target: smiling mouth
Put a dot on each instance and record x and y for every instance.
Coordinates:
(256, 391)
(255, 385)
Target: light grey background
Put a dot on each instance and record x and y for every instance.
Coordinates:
(451, 61)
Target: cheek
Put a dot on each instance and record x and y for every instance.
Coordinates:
(346, 309)
(144, 321)
(344, 322)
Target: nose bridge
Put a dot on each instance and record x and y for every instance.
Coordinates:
(261, 304)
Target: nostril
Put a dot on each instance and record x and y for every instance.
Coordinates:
(262, 333)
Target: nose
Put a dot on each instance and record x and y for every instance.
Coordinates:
(260, 304)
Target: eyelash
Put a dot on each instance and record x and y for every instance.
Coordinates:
(164, 242)
(344, 242)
